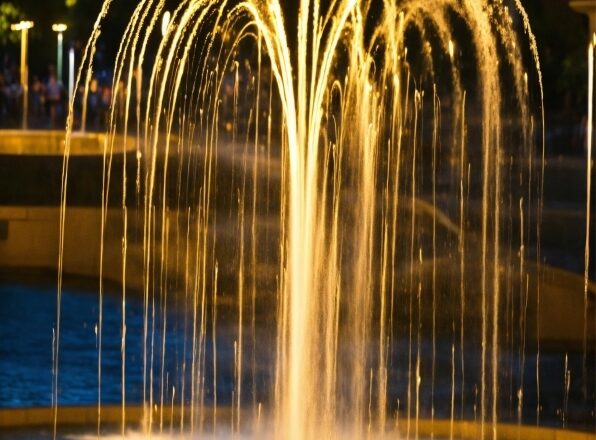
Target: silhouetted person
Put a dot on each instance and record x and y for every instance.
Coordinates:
(37, 98)
(53, 99)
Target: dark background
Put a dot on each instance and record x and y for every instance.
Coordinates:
(561, 34)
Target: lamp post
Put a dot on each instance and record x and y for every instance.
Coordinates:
(24, 27)
(59, 28)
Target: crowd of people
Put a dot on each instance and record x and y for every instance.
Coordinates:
(48, 100)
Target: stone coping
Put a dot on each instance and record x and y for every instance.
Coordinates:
(135, 415)
(51, 143)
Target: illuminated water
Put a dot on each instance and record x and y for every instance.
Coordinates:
(27, 317)
(351, 196)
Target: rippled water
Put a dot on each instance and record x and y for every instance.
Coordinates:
(27, 321)
(27, 316)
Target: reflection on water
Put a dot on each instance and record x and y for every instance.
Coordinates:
(27, 318)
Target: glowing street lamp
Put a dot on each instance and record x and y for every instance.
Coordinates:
(59, 28)
(24, 27)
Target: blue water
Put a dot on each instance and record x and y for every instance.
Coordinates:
(27, 322)
(28, 319)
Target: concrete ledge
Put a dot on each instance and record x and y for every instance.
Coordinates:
(51, 143)
(87, 415)
(30, 238)
(505, 431)
(135, 415)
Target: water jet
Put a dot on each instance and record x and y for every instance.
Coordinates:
(330, 225)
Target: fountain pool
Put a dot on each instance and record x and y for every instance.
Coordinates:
(330, 219)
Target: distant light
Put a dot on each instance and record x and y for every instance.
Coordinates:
(21, 26)
(451, 49)
(165, 22)
(59, 27)
(71, 69)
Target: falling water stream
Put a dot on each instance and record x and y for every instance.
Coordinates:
(345, 203)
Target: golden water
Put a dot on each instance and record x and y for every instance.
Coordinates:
(296, 181)
(589, 167)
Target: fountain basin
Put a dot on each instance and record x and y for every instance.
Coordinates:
(75, 419)
(31, 165)
(40, 225)
(25, 385)
(51, 143)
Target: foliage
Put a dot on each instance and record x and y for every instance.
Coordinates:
(9, 14)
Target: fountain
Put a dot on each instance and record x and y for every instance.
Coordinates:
(332, 226)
